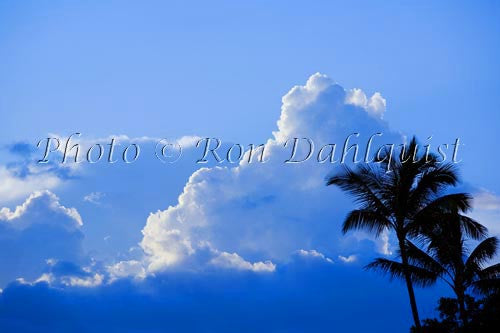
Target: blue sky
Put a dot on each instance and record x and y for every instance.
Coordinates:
(93, 235)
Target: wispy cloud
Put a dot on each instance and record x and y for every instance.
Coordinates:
(94, 197)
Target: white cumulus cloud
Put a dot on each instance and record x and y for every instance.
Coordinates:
(13, 187)
(233, 260)
(41, 207)
(314, 254)
(39, 229)
(267, 210)
(348, 259)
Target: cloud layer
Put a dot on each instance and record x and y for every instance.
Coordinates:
(304, 295)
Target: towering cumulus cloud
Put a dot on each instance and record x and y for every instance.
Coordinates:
(253, 214)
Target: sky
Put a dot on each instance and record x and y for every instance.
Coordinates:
(148, 246)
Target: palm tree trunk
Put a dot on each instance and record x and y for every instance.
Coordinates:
(462, 310)
(409, 286)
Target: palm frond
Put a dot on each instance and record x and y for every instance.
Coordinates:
(362, 185)
(431, 181)
(490, 272)
(396, 270)
(455, 202)
(366, 219)
(483, 252)
(420, 258)
(472, 228)
(487, 286)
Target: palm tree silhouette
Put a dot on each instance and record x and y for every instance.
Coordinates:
(399, 200)
(447, 257)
